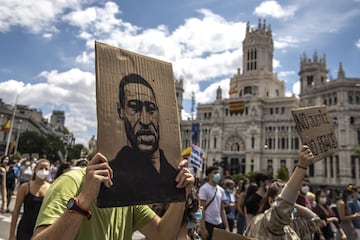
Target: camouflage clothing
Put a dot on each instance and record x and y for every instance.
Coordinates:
(276, 223)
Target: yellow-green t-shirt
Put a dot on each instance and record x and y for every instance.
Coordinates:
(105, 223)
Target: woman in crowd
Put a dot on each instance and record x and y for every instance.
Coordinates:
(3, 170)
(239, 204)
(345, 214)
(249, 192)
(327, 215)
(274, 221)
(31, 195)
(191, 219)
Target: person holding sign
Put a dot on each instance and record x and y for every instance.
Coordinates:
(69, 209)
(274, 221)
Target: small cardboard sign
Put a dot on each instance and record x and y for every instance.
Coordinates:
(221, 234)
(316, 131)
(195, 159)
(138, 127)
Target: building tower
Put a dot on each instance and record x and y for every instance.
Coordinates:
(313, 75)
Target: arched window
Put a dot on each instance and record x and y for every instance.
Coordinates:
(235, 147)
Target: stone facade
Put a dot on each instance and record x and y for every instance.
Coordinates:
(263, 137)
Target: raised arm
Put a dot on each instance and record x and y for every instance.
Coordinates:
(66, 227)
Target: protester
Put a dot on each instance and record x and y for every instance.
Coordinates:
(302, 199)
(26, 172)
(8, 182)
(274, 221)
(229, 202)
(239, 205)
(79, 188)
(211, 199)
(345, 214)
(191, 218)
(253, 202)
(30, 194)
(329, 221)
(3, 170)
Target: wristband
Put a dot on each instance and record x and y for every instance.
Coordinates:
(301, 167)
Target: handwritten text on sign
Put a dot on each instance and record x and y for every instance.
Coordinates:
(316, 131)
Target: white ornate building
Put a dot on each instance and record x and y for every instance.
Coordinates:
(263, 137)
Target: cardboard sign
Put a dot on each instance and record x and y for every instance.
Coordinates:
(138, 127)
(221, 234)
(195, 159)
(316, 130)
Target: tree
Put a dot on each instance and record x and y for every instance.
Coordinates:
(49, 145)
(75, 151)
(283, 173)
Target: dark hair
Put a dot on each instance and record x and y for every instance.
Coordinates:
(132, 78)
(61, 169)
(261, 177)
(345, 194)
(274, 190)
(191, 206)
(249, 192)
(317, 194)
(210, 169)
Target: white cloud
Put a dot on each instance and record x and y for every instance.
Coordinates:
(275, 10)
(35, 16)
(209, 94)
(296, 88)
(58, 90)
(357, 44)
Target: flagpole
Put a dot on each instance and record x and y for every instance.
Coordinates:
(11, 126)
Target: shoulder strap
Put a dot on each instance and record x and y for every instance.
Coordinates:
(28, 188)
(212, 199)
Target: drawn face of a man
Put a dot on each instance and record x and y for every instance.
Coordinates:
(141, 117)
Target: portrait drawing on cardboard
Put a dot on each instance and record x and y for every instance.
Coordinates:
(143, 172)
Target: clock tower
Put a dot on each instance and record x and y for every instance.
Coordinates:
(258, 49)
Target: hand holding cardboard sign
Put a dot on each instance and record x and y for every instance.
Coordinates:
(97, 171)
(306, 157)
(184, 178)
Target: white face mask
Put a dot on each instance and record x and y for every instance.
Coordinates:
(42, 174)
(305, 189)
(323, 200)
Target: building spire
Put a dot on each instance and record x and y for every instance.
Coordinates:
(341, 72)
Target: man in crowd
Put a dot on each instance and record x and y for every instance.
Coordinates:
(253, 202)
(69, 208)
(212, 198)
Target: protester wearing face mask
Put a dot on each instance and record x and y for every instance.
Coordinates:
(229, 203)
(211, 199)
(302, 199)
(345, 214)
(31, 195)
(26, 172)
(191, 219)
(327, 215)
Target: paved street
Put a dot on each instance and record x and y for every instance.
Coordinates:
(5, 219)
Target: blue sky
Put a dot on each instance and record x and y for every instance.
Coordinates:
(47, 46)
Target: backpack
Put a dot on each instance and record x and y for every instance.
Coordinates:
(10, 177)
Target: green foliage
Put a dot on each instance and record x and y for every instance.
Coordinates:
(251, 176)
(49, 145)
(75, 151)
(16, 156)
(282, 173)
(356, 149)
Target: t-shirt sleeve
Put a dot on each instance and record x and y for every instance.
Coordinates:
(54, 204)
(143, 214)
(203, 193)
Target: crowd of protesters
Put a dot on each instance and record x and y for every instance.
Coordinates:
(265, 208)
